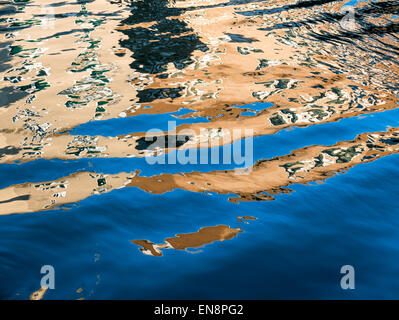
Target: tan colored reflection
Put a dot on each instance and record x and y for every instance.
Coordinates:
(79, 69)
(32, 197)
(245, 219)
(185, 241)
(264, 180)
(271, 177)
(39, 294)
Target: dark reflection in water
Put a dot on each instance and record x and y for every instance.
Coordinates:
(148, 95)
(369, 26)
(166, 41)
(366, 17)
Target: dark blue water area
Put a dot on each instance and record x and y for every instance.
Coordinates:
(264, 147)
(294, 250)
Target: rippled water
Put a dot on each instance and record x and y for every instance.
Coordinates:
(82, 82)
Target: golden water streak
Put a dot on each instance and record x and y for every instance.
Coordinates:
(261, 182)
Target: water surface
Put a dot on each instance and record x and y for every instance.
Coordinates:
(82, 83)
